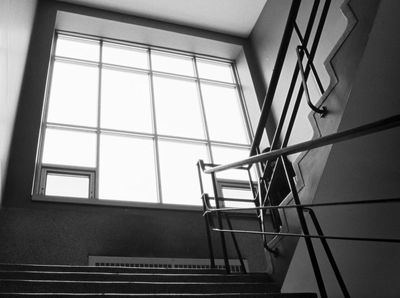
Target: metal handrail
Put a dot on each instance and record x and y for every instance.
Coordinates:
(349, 134)
(323, 111)
(276, 73)
(280, 155)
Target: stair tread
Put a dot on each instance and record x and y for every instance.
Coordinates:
(270, 295)
(79, 268)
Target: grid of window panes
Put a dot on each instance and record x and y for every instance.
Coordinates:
(139, 118)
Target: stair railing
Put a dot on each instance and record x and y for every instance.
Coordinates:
(347, 135)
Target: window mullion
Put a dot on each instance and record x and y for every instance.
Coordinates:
(38, 172)
(156, 147)
(97, 178)
(203, 112)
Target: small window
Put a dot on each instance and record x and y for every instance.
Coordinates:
(67, 186)
(125, 101)
(127, 169)
(170, 63)
(74, 94)
(69, 148)
(179, 180)
(215, 71)
(61, 182)
(224, 114)
(125, 56)
(177, 107)
(78, 48)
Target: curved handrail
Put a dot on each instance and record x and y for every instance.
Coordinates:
(323, 111)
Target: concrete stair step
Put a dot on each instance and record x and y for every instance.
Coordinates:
(124, 276)
(268, 295)
(50, 286)
(71, 268)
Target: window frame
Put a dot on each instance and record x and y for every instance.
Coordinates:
(41, 169)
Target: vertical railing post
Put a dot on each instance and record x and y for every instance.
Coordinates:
(236, 244)
(294, 9)
(220, 224)
(329, 254)
(303, 224)
(200, 167)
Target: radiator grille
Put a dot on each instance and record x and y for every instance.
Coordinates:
(167, 263)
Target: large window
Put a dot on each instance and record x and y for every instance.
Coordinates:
(124, 122)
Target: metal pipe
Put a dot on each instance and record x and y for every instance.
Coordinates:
(334, 138)
(322, 110)
(236, 244)
(276, 73)
(220, 224)
(329, 254)
(314, 70)
(206, 218)
(357, 202)
(367, 239)
(304, 228)
(278, 131)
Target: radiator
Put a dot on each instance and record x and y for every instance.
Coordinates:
(169, 263)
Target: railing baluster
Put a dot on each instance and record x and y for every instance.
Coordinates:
(220, 224)
(329, 254)
(200, 167)
(321, 110)
(303, 224)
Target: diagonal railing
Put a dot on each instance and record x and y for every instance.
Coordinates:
(267, 162)
(347, 135)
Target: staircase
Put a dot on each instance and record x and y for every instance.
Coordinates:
(67, 281)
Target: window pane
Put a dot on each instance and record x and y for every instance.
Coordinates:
(172, 63)
(73, 95)
(224, 155)
(177, 108)
(124, 55)
(215, 71)
(67, 186)
(73, 148)
(127, 169)
(238, 193)
(179, 178)
(224, 114)
(78, 48)
(125, 101)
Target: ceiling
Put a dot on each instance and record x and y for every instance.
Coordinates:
(235, 17)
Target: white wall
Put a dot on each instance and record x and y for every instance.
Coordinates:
(364, 169)
(16, 21)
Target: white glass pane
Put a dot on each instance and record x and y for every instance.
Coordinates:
(124, 55)
(215, 71)
(74, 94)
(172, 63)
(238, 193)
(224, 114)
(67, 186)
(73, 148)
(127, 169)
(224, 155)
(177, 108)
(179, 178)
(77, 48)
(125, 101)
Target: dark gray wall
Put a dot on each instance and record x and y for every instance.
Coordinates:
(367, 168)
(16, 22)
(56, 233)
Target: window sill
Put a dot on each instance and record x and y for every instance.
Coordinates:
(114, 203)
